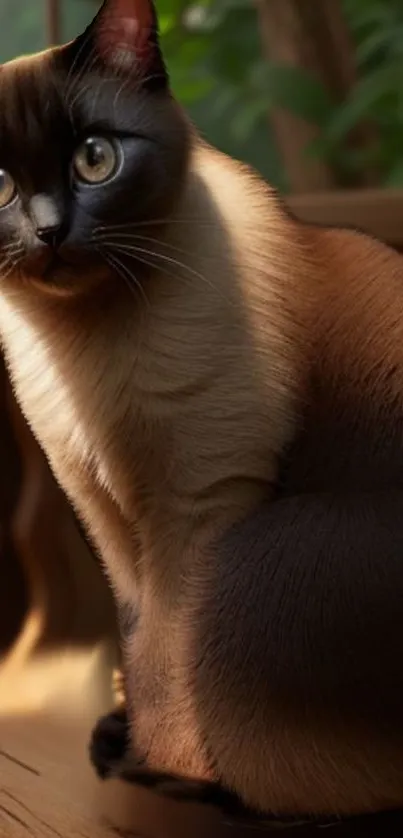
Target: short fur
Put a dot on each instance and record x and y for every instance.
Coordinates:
(200, 363)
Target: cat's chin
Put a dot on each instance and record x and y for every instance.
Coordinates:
(64, 279)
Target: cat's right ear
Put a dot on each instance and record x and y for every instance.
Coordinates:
(123, 39)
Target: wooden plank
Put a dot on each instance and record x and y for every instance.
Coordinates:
(376, 211)
(47, 786)
(46, 711)
(54, 21)
(48, 789)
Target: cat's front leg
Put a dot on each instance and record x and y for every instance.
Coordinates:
(113, 751)
(113, 756)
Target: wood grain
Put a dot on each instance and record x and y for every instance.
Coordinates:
(47, 787)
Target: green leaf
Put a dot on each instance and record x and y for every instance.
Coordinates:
(245, 121)
(189, 90)
(394, 178)
(372, 46)
(367, 94)
(166, 22)
(226, 98)
(293, 89)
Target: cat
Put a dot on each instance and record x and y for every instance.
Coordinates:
(218, 390)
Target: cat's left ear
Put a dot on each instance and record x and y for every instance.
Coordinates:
(124, 37)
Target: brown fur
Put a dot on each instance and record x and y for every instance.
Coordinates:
(170, 416)
(185, 423)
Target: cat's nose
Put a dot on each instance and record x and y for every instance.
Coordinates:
(52, 235)
(47, 219)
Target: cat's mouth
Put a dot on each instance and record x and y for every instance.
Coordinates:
(46, 265)
(65, 271)
(71, 273)
(55, 276)
(56, 266)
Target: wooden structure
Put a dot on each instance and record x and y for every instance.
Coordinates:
(376, 211)
(54, 21)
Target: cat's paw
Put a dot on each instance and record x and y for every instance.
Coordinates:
(109, 743)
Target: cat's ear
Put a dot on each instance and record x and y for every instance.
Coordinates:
(124, 37)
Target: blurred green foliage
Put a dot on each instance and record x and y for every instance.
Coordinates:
(214, 55)
(217, 69)
(213, 51)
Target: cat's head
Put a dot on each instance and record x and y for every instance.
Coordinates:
(92, 144)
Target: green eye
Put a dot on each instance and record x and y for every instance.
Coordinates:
(7, 188)
(95, 160)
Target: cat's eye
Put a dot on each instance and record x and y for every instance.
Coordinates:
(7, 188)
(95, 160)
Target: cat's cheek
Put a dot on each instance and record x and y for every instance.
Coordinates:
(142, 186)
(15, 232)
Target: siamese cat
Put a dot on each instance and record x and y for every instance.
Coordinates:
(219, 390)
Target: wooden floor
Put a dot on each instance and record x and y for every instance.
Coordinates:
(47, 788)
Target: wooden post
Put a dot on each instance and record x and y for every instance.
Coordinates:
(311, 35)
(54, 22)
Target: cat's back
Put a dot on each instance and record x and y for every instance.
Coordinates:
(351, 429)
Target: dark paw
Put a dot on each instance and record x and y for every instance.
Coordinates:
(109, 743)
(166, 785)
(180, 788)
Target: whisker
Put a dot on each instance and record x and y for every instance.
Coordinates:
(14, 247)
(152, 264)
(78, 55)
(141, 103)
(87, 68)
(128, 276)
(96, 95)
(117, 267)
(152, 240)
(133, 79)
(14, 254)
(81, 92)
(8, 266)
(75, 77)
(169, 259)
(72, 99)
(160, 263)
(130, 225)
(118, 94)
(136, 252)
